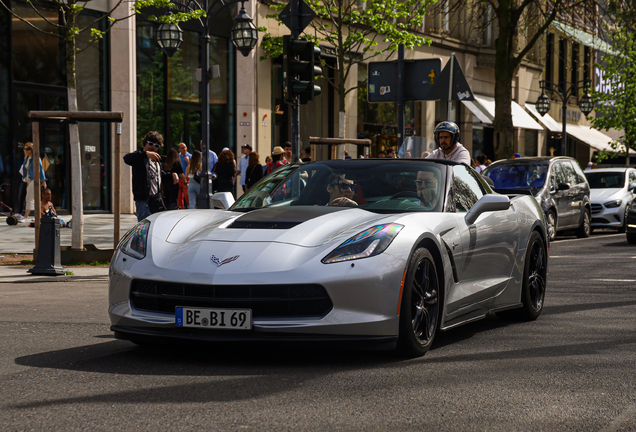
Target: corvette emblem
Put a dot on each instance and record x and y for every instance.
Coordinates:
(219, 263)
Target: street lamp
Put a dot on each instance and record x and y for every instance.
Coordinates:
(244, 37)
(564, 91)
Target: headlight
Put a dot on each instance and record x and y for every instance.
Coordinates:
(370, 242)
(613, 204)
(135, 240)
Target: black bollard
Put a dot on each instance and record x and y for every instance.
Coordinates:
(49, 254)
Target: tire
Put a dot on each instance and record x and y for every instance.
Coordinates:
(551, 219)
(623, 229)
(420, 305)
(631, 238)
(535, 272)
(12, 220)
(585, 229)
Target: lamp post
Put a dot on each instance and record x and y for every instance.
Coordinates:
(564, 90)
(244, 37)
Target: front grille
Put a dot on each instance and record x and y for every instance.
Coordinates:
(597, 208)
(600, 221)
(265, 301)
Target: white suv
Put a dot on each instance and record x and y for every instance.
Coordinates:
(611, 192)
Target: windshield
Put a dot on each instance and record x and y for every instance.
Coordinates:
(605, 180)
(382, 186)
(518, 176)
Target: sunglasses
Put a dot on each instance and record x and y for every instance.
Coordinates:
(427, 183)
(155, 145)
(345, 186)
(28, 149)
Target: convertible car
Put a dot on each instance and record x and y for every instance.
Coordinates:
(380, 252)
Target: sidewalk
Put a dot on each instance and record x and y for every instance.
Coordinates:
(20, 239)
(98, 230)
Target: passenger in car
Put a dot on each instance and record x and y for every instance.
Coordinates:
(341, 191)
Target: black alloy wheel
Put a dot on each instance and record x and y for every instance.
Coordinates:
(420, 307)
(585, 229)
(535, 273)
(623, 228)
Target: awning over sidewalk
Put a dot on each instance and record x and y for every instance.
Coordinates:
(585, 38)
(548, 122)
(483, 107)
(592, 137)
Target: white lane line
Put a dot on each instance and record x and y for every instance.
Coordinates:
(590, 238)
(616, 424)
(615, 280)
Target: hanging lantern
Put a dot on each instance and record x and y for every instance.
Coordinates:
(543, 104)
(244, 33)
(169, 37)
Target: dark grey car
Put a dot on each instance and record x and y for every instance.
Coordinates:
(558, 184)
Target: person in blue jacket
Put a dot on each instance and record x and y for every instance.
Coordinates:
(27, 195)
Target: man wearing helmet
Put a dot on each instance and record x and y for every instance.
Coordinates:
(447, 138)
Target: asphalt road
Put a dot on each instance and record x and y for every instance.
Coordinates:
(572, 369)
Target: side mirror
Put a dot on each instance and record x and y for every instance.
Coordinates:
(563, 186)
(487, 203)
(222, 200)
(632, 187)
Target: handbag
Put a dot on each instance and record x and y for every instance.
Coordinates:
(197, 178)
(155, 203)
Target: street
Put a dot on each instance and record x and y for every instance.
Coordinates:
(572, 369)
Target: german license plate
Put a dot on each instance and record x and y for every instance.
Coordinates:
(207, 318)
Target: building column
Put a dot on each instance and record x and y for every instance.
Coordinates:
(123, 78)
(246, 98)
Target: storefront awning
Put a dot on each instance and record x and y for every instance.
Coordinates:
(548, 122)
(586, 39)
(592, 137)
(483, 107)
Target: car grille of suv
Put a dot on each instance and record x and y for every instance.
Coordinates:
(271, 301)
(597, 208)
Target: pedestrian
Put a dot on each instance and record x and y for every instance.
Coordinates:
(254, 170)
(382, 154)
(277, 160)
(425, 154)
(268, 160)
(516, 156)
(212, 158)
(242, 165)
(147, 170)
(287, 147)
(225, 170)
(307, 157)
(193, 173)
(390, 153)
(27, 189)
(184, 157)
(46, 204)
(170, 180)
(481, 163)
(446, 136)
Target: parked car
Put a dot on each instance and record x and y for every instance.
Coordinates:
(363, 251)
(611, 193)
(558, 184)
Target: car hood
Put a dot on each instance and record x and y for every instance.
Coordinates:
(306, 226)
(604, 195)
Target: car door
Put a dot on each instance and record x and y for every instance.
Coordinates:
(576, 193)
(560, 197)
(488, 247)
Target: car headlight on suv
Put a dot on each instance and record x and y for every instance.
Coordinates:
(613, 203)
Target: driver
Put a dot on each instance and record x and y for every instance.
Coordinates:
(427, 185)
(341, 191)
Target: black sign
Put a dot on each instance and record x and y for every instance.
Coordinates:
(460, 89)
(305, 15)
(419, 77)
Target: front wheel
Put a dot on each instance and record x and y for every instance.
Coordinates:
(420, 307)
(624, 227)
(585, 229)
(551, 219)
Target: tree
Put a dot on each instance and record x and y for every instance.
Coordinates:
(355, 29)
(616, 102)
(68, 29)
(519, 25)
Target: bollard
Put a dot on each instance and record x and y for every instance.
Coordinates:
(49, 256)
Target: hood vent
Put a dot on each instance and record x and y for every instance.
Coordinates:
(263, 225)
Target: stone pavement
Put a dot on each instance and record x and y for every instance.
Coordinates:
(98, 230)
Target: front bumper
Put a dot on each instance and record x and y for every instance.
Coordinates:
(364, 294)
(603, 217)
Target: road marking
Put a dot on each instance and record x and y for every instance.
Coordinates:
(621, 419)
(588, 238)
(615, 280)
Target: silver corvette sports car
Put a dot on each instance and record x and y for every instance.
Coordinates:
(373, 251)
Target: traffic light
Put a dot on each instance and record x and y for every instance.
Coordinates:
(301, 63)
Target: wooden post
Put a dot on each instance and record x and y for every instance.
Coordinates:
(37, 199)
(117, 187)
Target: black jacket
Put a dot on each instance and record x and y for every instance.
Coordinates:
(140, 175)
